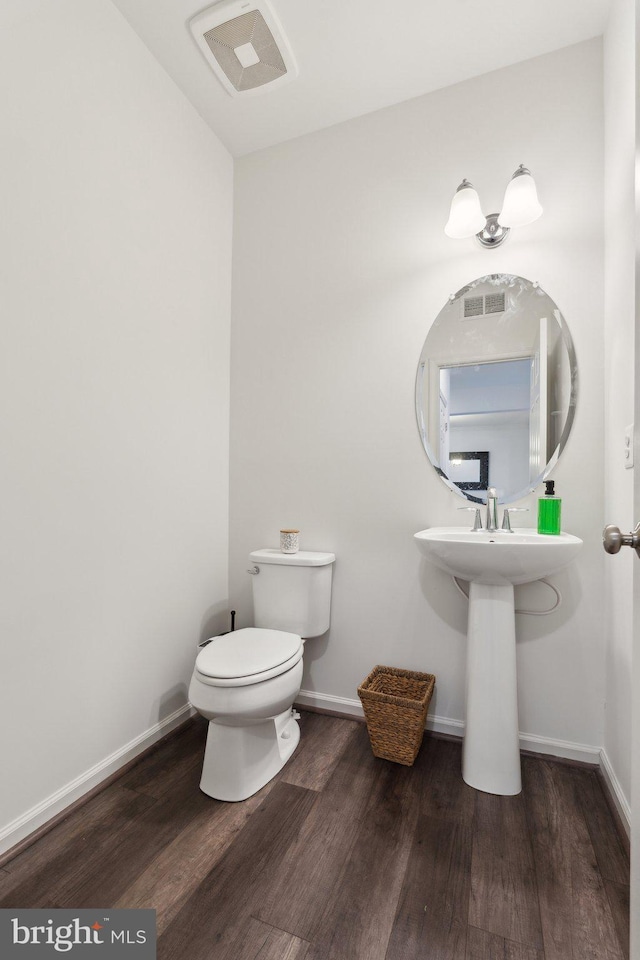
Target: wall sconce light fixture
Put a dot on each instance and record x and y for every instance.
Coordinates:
(520, 206)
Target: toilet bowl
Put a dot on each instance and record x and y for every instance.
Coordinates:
(245, 683)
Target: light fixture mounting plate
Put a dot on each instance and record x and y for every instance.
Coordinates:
(493, 234)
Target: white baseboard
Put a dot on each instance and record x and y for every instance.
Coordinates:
(566, 749)
(34, 818)
(616, 792)
(528, 741)
(353, 708)
(325, 701)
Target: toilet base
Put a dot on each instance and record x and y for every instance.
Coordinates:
(239, 760)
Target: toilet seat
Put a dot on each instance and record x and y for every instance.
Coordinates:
(248, 656)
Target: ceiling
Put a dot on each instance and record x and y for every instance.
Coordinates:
(356, 56)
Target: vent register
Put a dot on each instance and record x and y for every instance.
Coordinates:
(247, 50)
(482, 305)
(252, 38)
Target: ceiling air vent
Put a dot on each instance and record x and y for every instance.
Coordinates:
(479, 306)
(473, 307)
(244, 45)
(494, 303)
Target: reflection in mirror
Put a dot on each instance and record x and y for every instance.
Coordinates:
(469, 469)
(496, 388)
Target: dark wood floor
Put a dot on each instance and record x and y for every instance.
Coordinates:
(344, 857)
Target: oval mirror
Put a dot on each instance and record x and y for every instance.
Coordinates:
(496, 388)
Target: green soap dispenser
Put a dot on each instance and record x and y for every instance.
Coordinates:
(549, 510)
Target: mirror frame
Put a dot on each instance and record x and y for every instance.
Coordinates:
(508, 496)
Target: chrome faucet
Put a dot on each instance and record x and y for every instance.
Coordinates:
(492, 510)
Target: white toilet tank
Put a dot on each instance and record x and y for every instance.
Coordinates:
(292, 591)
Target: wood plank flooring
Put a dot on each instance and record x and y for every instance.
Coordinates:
(344, 857)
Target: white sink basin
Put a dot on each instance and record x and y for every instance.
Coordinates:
(494, 563)
(497, 558)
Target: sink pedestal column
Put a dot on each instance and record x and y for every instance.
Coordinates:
(491, 748)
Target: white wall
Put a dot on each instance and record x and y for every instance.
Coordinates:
(115, 249)
(619, 320)
(340, 266)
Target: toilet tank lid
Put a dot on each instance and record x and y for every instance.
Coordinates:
(304, 558)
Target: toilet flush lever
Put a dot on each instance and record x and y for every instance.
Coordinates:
(253, 570)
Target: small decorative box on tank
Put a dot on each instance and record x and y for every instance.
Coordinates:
(289, 541)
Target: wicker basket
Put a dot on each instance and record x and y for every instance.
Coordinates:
(395, 704)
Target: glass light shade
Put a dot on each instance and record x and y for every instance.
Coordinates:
(465, 217)
(521, 205)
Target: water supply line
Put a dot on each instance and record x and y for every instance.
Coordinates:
(529, 613)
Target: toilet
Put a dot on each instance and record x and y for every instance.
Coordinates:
(245, 682)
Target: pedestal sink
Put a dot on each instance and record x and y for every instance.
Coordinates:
(493, 563)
